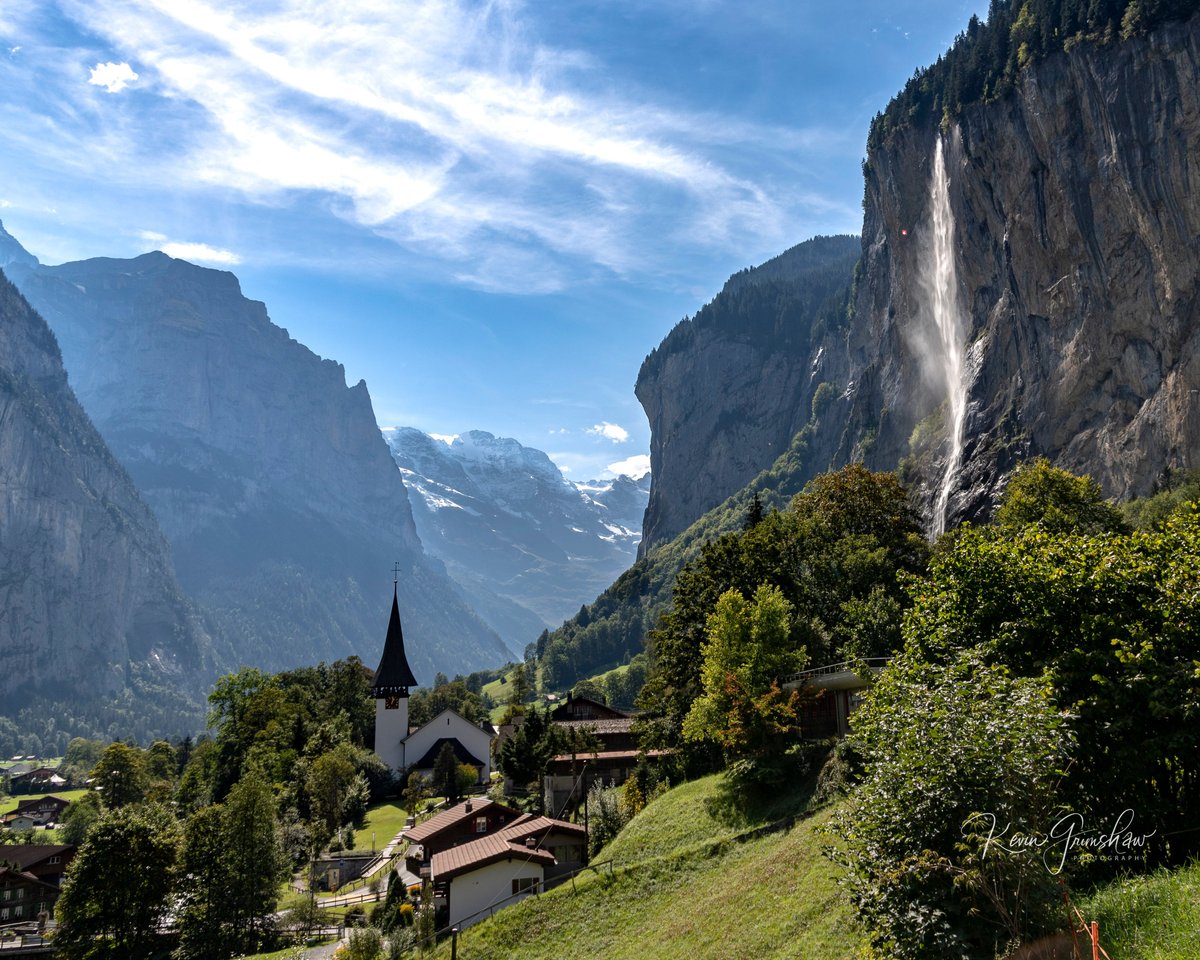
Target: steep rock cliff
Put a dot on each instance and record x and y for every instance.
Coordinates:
(1078, 234)
(728, 389)
(268, 474)
(91, 610)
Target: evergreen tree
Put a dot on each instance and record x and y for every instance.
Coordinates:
(445, 774)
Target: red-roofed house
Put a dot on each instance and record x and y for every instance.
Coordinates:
(455, 825)
(474, 879)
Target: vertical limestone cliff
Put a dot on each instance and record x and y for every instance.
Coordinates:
(268, 473)
(90, 610)
(1078, 239)
(728, 389)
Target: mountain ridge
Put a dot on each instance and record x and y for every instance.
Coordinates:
(267, 471)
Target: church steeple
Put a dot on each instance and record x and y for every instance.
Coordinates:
(390, 690)
(394, 676)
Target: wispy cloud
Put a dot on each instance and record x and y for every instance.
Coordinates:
(609, 431)
(446, 126)
(113, 77)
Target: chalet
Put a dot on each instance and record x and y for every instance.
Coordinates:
(405, 749)
(44, 810)
(39, 778)
(24, 897)
(585, 708)
(474, 879)
(569, 776)
(609, 758)
(337, 869)
(838, 689)
(46, 862)
(452, 827)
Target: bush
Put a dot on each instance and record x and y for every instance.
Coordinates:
(607, 816)
(950, 749)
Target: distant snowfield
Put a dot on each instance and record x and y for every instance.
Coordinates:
(527, 545)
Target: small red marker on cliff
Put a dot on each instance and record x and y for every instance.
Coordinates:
(904, 233)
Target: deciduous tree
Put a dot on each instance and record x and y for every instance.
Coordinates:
(119, 885)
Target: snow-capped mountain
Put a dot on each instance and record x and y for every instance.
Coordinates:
(528, 546)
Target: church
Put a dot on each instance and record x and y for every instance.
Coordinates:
(404, 749)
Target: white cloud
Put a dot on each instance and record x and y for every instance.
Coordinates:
(114, 77)
(446, 126)
(152, 236)
(5, 203)
(609, 431)
(13, 51)
(636, 466)
(201, 253)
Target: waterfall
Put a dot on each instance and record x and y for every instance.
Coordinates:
(946, 312)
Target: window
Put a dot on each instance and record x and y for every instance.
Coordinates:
(4, 913)
(8, 893)
(481, 824)
(56, 859)
(18, 912)
(525, 885)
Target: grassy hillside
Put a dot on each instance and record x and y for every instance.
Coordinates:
(1150, 918)
(686, 890)
(696, 815)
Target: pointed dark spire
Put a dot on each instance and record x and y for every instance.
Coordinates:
(394, 676)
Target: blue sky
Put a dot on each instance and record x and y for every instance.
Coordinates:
(490, 212)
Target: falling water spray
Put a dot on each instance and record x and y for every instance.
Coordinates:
(946, 314)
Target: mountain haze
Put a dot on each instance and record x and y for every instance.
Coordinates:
(527, 545)
(266, 471)
(93, 617)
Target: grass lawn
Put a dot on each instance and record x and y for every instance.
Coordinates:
(687, 892)
(696, 814)
(10, 803)
(385, 820)
(1156, 917)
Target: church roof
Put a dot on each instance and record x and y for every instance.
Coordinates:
(461, 753)
(393, 674)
